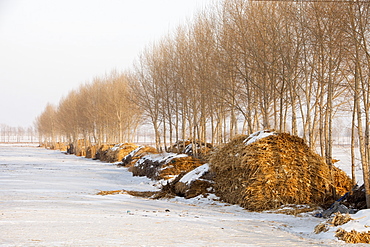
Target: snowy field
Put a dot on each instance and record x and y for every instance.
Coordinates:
(48, 198)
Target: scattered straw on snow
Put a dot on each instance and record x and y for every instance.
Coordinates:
(352, 228)
(360, 222)
(357, 229)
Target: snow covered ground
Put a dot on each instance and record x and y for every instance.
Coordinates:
(48, 198)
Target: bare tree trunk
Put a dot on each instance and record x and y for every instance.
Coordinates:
(353, 156)
(157, 133)
(362, 145)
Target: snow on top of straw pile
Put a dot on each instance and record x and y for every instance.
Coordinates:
(195, 174)
(136, 155)
(133, 152)
(163, 158)
(116, 147)
(119, 151)
(164, 165)
(258, 136)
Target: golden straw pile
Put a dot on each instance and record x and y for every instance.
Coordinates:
(79, 148)
(276, 170)
(120, 152)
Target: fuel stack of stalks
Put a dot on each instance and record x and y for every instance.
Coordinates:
(62, 146)
(193, 148)
(118, 152)
(165, 166)
(278, 169)
(91, 152)
(109, 152)
(78, 147)
(131, 159)
(102, 151)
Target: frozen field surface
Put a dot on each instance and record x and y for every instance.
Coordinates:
(48, 198)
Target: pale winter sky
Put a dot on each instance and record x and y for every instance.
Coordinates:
(49, 47)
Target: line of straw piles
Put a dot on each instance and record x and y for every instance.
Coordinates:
(146, 161)
(278, 169)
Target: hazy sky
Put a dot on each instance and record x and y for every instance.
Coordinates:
(49, 47)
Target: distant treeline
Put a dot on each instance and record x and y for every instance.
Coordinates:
(237, 67)
(17, 134)
(99, 112)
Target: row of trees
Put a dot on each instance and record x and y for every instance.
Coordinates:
(249, 65)
(238, 66)
(17, 134)
(98, 112)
